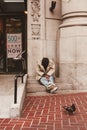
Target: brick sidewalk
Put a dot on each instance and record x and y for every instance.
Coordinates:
(46, 113)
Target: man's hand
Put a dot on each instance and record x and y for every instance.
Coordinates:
(47, 77)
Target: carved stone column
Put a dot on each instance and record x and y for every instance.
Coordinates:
(35, 33)
(73, 44)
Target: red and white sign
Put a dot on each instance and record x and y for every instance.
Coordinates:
(14, 45)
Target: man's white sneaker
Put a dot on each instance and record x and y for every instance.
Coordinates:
(54, 89)
(50, 87)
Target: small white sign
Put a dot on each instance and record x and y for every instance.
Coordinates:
(14, 45)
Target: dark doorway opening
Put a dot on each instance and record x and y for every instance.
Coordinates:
(13, 46)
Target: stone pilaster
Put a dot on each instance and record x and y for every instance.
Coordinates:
(42, 38)
(73, 44)
(36, 35)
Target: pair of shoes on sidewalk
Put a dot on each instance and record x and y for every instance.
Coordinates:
(52, 88)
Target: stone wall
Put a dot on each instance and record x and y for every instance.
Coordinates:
(61, 35)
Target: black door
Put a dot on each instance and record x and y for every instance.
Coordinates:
(13, 45)
(2, 47)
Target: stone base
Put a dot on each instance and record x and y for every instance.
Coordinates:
(33, 86)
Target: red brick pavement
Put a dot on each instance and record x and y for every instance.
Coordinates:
(46, 113)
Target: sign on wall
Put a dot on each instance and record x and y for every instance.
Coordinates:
(14, 45)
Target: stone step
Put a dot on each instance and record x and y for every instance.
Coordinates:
(36, 87)
(31, 88)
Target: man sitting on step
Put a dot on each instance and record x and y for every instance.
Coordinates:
(45, 74)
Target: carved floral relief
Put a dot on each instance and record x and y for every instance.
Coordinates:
(35, 6)
(35, 31)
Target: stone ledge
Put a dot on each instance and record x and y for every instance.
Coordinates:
(36, 87)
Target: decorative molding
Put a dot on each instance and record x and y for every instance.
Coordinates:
(35, 31)
(65, 0)
(35, 6)
(70, 25)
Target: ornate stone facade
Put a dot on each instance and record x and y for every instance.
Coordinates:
(62, 36)
(35, 15)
